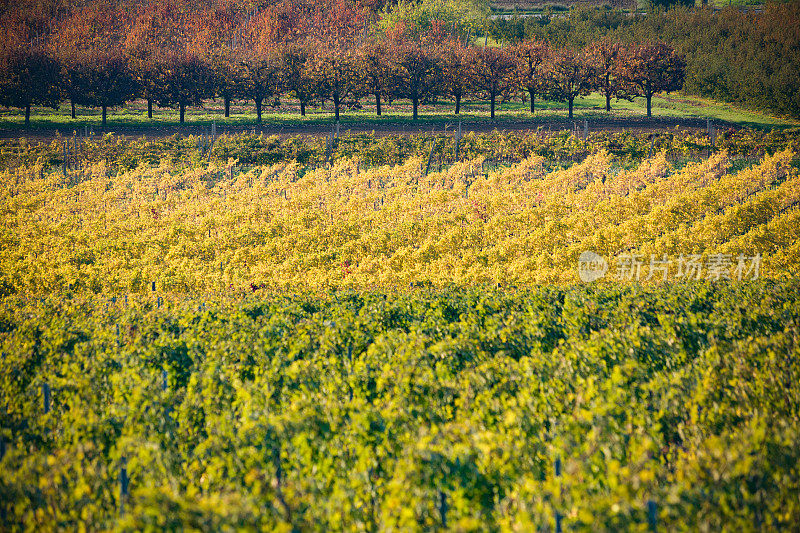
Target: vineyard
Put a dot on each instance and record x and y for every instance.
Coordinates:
(586, 408)
(215, 227)
(378, 334)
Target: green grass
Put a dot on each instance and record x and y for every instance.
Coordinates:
(134, 116)
(678, 106)
(535, 8)
(735, 3)
(484, 40)
(528, 8)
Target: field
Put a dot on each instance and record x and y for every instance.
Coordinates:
(392, 332)
(131, 120)
(413, 265)
(210, 224)
(602, 407)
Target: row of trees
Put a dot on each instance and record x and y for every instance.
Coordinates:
(748, 57)
(174, 55)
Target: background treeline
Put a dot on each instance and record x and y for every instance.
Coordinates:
(749, 58)
(173, 53)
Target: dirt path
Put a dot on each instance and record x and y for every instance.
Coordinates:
(637, 125)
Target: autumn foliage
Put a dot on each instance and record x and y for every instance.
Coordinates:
(176, 53)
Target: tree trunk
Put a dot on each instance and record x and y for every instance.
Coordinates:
(378, 103)
(533, 100)
(182, 106)
(491, 106)
(336, 106)
(608, 102)
(28, 116)
(104, 114)
(227, 106)
(150, 108)
(414, 106)
(649, 106)
(258, 109)
(72, 104)
(302, 108)
(571, 101)
(458, 104)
